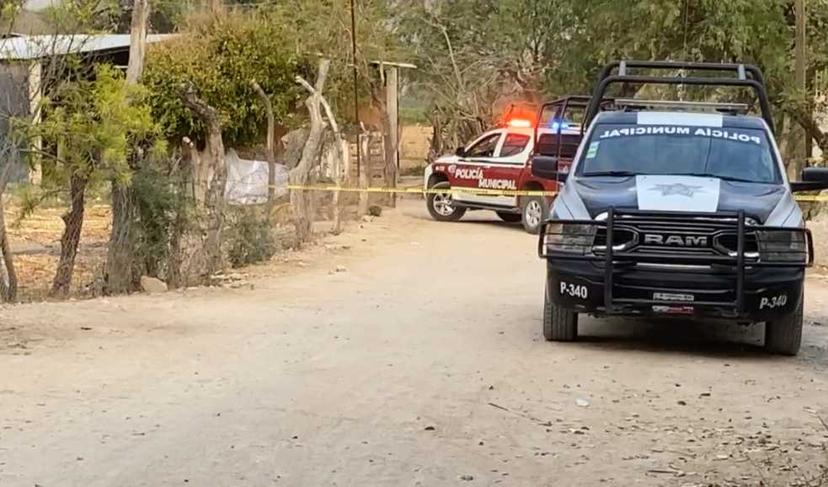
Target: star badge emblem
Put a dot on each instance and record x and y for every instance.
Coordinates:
(678, 189)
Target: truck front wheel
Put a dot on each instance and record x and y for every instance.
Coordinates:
(440, 205)
(784, 335)
(534, 211)
(559, 324)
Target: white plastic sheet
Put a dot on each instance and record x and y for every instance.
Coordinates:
(247, 180)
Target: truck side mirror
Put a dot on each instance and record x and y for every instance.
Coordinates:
(460, 152)
(813, 179)
(546, 167)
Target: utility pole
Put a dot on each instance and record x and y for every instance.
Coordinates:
(800, 77)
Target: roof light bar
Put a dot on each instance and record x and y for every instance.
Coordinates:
(520, 123)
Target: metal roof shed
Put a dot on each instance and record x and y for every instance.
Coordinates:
(30, 48)
(21, 73)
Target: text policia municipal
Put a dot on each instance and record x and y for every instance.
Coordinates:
(689, 131)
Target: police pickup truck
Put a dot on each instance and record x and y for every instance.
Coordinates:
(677, 209)
(491, 172)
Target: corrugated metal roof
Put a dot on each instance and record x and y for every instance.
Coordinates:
(41, 46)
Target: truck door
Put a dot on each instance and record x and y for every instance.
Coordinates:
(506, 169)
(471, 167)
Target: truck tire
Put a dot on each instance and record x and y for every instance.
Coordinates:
(533, 211)
(784, 336)
(559, 324)
(440, 207)
(509, 217)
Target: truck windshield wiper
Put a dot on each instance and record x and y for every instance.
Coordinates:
(610, 173)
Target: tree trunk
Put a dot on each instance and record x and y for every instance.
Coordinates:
(271, 144)
(137, 40)
(8, 282)
(805, 118)
(122, 270)
(73, 223)
(215, 202)
(340, 165)
(8, 276)
(178, 173)
(299, 199)
(214, 166)
(435, 147)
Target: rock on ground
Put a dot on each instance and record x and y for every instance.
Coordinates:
(153, 285)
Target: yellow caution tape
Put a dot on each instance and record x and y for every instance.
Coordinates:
(421, 190)
(477, 191)
(811, 197)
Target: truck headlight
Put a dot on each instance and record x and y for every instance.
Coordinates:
(783, 245)
(569, 237)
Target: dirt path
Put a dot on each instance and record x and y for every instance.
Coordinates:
(421, 363)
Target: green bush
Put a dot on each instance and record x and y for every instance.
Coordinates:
(249, 236)
(158, 202)
(219, 57)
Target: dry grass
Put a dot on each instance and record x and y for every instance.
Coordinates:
(36, 242)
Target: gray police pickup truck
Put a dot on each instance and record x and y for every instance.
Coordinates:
(676, 209)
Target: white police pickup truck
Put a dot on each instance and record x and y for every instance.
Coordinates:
(677, 209)
(489, 173)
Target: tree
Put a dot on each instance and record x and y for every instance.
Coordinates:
(219, 56)
(270, 144)
(760, 32)
(121, 273)
(83, 16)
(8, 273)
(310, 152)
(204, 98)
(91, 123)
(211, 163)
(476, 57)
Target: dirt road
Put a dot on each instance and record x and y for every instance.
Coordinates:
(419, 363)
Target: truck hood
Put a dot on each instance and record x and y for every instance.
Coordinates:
(677, 193)
(447, 159)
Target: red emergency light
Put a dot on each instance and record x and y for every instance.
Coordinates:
(520, 123)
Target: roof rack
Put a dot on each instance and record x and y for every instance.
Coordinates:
(558, 109)
(689, 106)
(560, 105)
(747, 76)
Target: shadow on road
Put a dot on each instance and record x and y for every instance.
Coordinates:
(701, 338)
(709, 339)
(478, 220)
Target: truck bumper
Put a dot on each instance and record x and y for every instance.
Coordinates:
(625, 272)
(664, 290)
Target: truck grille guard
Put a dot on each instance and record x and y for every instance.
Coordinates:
(578, 243)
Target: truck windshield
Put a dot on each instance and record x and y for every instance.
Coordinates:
(738, 154)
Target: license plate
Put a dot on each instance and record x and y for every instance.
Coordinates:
(673, 310)
(674, 297)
